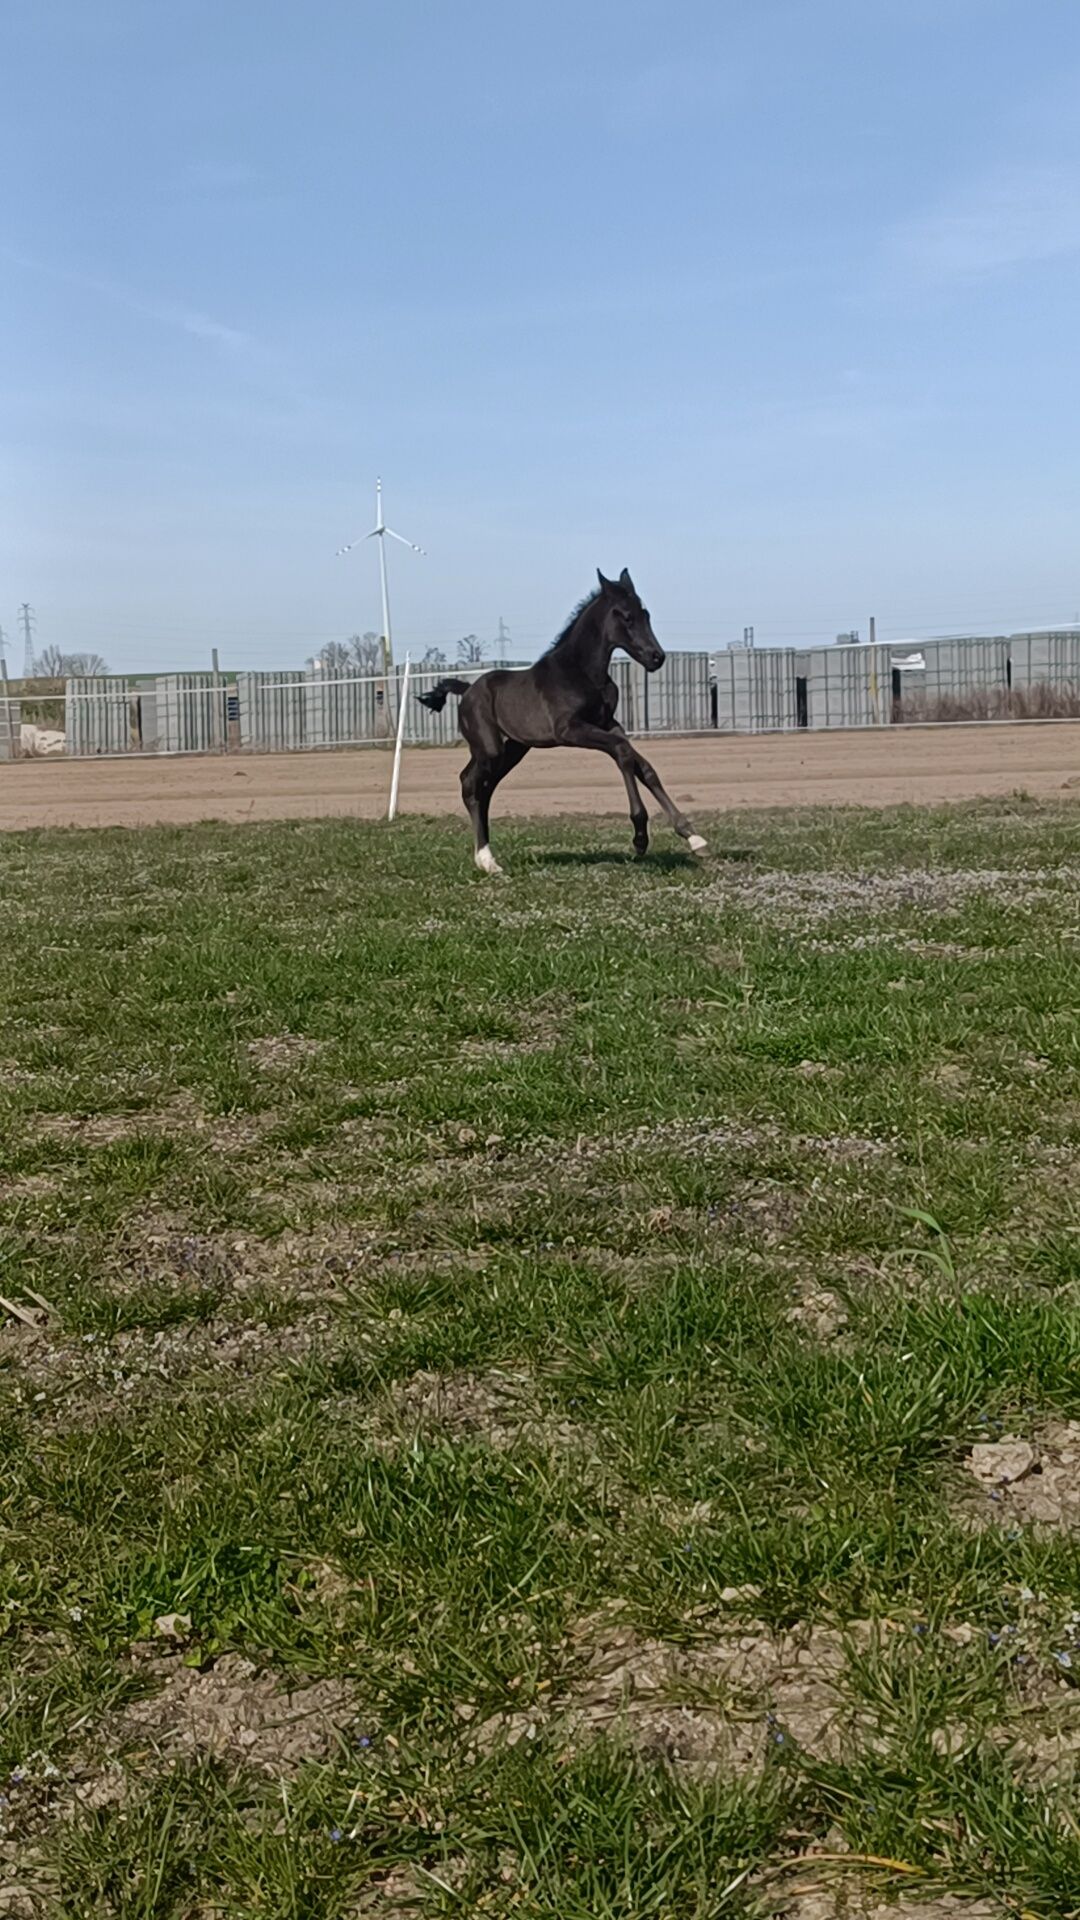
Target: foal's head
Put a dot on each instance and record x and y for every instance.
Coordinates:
(626, 622)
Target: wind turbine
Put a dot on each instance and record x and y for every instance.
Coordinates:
(379, 532)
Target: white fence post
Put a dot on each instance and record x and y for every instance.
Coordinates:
(396, 775)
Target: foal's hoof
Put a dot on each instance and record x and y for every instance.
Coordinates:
(696, 844)
(486, 860)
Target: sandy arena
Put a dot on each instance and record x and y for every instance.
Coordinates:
(708, 775)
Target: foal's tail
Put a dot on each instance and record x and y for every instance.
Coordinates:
(435, 697)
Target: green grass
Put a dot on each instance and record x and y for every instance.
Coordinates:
(428, 1268)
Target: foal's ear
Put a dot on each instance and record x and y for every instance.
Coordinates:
(625, 581)
(606, 586)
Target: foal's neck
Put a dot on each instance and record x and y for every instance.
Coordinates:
(586, 646)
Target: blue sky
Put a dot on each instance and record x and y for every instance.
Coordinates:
(774, 301)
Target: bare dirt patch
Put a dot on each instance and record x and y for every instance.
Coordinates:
(761, 1213)
(875, 767)
(498, 1408)
(94, 1378)
(398, 1895)
(1042, 1735)
(245, 1717)
(225, 1133)
(717, 1707)
(236, 1712)
(1027, 1482)
(292, 1266)
(819, 1312)
(105, 1129)
(27, 1187)
(821, 1894)
(540, 1027)
(714, 1136)
(280, 1052)
(815, 899)
(954, 1079)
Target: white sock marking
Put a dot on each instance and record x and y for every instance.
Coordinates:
(486, 860)
(696, 844)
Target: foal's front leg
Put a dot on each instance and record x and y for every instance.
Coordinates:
(613, 742)
(638, 813)
(675, 814)
(651, 779)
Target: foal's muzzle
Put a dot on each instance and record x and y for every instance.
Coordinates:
(654, 659)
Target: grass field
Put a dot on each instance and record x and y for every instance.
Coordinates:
(491, 1370)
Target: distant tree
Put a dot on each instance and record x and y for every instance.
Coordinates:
(470, 651)
(366, 652)
(361, 653)
(334, 660)
(53, 664)
(433, 661)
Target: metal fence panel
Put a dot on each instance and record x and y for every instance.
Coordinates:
(847, 687)
(98, 716)
(1046, 659)
(347, 712)
(678, 699)
(272, 711)
(740, 690)
(756, 689)
(147, 725)
(956, 669)
(774, 689)
(10, 727)
(185, 714)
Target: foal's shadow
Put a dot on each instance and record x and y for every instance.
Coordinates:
(670, 860)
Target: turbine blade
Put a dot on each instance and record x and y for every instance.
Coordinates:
(404, 542)
(358, 542)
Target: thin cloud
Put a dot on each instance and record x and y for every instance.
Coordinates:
(189, 320)
(1011, 218)
(199, 325)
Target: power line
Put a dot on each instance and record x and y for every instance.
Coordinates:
(1001, 618)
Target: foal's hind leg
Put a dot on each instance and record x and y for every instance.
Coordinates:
(478, 783)
(476, 790)
(487, 744)
(497, 769)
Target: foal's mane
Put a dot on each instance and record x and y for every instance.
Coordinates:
(589, 600)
